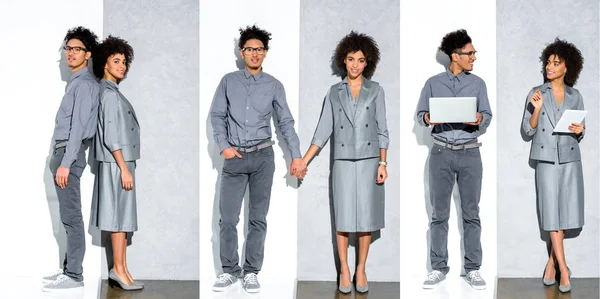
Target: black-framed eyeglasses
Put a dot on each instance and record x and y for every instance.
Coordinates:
(470, 53)
(249, 50)
(75, 50)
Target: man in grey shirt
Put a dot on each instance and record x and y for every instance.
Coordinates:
(75, 127)
(241, 114)
(455, 157)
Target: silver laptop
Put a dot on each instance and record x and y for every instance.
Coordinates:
(453, 109)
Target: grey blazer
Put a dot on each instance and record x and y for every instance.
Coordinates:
(359, 132)
(118, 127)
(546, 144)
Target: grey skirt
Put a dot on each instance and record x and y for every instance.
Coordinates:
(113, 208)
(358, 202)
(560, 195)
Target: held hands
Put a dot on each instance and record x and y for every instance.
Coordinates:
(126, 180)
(381, 174)
(536, 100)
(298, 168)
(477, 121)
(230, 152)
(62, 176)
(576, 128)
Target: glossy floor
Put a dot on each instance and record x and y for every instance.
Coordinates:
(154, 289)
(328, 290)
(532, 288)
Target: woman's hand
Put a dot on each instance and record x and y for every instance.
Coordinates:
(576, 128)
(536, 100)
(381, 174)
(126, 180)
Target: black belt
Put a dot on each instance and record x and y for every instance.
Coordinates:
(254, 148)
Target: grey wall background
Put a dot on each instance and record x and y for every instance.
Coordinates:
(322, 25)
(524, 28)
(163, 88)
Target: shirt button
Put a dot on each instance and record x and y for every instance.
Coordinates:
(342, 144)
(132, 129)
(342, 127)
(369, 143)
(128, 112)
(367, 125)
(572, 148)
(367, 108)
(340, 109)
(543, 130)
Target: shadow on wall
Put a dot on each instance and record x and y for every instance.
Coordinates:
(424, 138)
(217, 164)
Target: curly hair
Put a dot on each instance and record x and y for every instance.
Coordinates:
(111, 46)
(454, 40)
(254, 33)
(354, 42)
(566, 52)
(87, 37)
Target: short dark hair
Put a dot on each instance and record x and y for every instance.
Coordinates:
(86, 36)
(254, 33)
(354, 42)
(568, 53)
(454, 40)
(111, 46)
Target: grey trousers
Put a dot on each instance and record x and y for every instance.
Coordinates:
(445, 167)
(69, 202)
(255, 169)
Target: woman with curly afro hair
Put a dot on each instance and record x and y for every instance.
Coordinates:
(116, 147)
(354, 113)
(559, 175)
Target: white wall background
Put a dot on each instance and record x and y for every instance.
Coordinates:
(418, 49)
(32, 88)
(219, 24)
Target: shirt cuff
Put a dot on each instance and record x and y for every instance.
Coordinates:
(318, 142)
(296, 154)
(67, 162)
(383, 144)
(421, 119)
(223, 145)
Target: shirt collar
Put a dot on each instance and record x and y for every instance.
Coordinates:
(79, 73)
(452, 76)
(256, 76)
(110, 83)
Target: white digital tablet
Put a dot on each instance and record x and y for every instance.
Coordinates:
(452, 109)
(569, 117)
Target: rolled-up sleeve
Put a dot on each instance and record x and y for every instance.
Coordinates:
(110, 119)
(423, 105)
(380, 116)
(325, 125)
(285, 121)
(218, 116)
(527, 116)
(83, 99)
(483, 106)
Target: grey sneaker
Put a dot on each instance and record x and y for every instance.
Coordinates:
(251, 284)
(50, 278)
(62, 283)
(434, 278)
(475, 280)
(224, 281)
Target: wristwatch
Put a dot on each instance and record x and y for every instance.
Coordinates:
(383, 163)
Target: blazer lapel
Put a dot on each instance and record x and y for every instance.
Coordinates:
(129, 107)
(363, 97)
(548, 104)
(343, 98)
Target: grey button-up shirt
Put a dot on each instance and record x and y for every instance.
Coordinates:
(242, 108)
(325, 126)
(446, 84)
(78, 113)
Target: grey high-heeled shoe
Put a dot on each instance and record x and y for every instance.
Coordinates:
(344, 289)
(361, 289)
(114, 280)
(566, 288)
(548, 282)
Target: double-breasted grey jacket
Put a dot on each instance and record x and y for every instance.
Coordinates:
(118, 127)
(546, 144)
(358, 131)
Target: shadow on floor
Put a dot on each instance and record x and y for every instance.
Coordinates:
(328, 290)
(155, 289)
(532, 288)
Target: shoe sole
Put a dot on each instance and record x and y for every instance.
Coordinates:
(47, 281)
(432, 286)
(220, 289)
(477, 287)
(252, 291)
